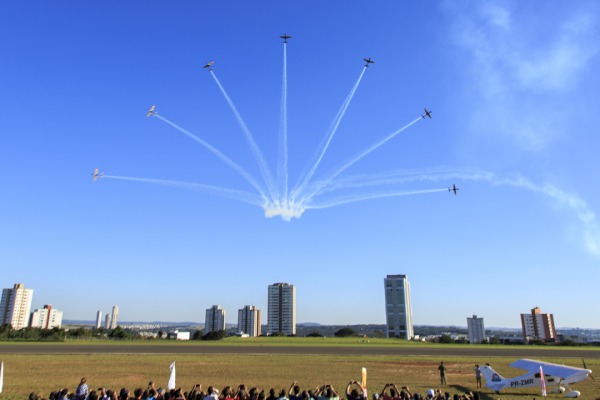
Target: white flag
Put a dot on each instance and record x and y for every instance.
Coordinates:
(1, 376)
(171, 384)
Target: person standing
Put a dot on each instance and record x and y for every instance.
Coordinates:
(82, 391)
(442, 369)
(478, 375)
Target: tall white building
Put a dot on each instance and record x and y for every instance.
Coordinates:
(99, 319)
(281, 315)
(15, 306)
(249, 321)
(476, 330)
(107, 322)
(215, 319)
(114, 318)
(398, 311)
(46, 318)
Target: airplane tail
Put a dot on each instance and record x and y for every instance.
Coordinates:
(493, 380)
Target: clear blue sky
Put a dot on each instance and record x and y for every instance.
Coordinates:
(514, 91)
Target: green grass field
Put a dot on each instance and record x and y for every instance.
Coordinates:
(45, 373)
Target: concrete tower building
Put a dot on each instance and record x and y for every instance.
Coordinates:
(398, 310)
(249, 321)
(476, 330)
(46, 318)
(99, 319)
(215, 319)
(114, 318)
(15, 306)
(281, 315)
(107, 322)
(538, 325)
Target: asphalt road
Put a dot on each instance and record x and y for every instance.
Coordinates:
(477, 351)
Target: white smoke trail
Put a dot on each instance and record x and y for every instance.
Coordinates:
(220, 155)
(282, 163)
(317, 189)
(368, 196)
(239, 195)
(262, 165)
(328, 137)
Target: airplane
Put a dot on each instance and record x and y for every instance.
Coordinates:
(427, 114)
(368, 61)
(97, 175)
(453, 189)
(285, 37)
(209, 65)
(555, 375)
(151, 111)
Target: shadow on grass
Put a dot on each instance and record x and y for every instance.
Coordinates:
(459, 389)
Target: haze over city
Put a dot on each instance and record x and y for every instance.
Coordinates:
(513, 96)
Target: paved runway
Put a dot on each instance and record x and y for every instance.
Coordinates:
(186, 348)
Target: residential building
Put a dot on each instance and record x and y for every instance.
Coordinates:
(476, 330)
(46, 318)
(99, 319)
(249, 321)
(215, 319)
(538, 326)
(281, 315)
(398, 310)
(15, 306)
(114, 318)
(107, 322)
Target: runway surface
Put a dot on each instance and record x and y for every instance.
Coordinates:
(185, 348)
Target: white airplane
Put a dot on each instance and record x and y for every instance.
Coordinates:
(97, 174)
(151, 111)
(555, 375)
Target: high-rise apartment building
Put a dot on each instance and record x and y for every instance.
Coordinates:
(99, 319)
(281, 315)
(15, 306)
(476, 330)
(249, 321)
(46, 318)
(215, 319)
(114, 318)
(398, 310)
(107, 322)
(538, 325)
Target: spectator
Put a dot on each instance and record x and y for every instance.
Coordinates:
(354, 393)
(442, 369)
(82, 391)
(294, 392)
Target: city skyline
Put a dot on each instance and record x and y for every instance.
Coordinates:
(511, 88)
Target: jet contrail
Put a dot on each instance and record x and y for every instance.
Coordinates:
(282, 163)
(328, 137)
(354, 160)
(266, 174)
(368, 196)
(220, 155)
(246, 197)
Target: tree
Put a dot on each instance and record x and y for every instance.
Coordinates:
(344, 332)
(314, 334)
(445, 339)
(214, 335)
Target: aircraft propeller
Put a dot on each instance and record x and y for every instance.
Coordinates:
(585, 366)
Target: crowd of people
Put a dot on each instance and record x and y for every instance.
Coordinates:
(354, 391)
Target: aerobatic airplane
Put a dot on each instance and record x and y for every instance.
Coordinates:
(97, 174)
(368, 61)
(427, 114)
(209, 65)
(285, 37)
(453, 189)
(555, 375)
(151, 111)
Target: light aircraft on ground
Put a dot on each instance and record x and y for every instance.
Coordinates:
(97, 174)
(368, 61)
(285, 37)
(453, 189)
(151, 111)
(209, 65)
(427, 114)
(555, 376)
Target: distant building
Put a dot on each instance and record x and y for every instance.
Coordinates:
(249, 321)
(476, 330)
(179, 335)
(398, 310)
(537, 325)
(15, 306)
(99, 319)
(46, 318)
(114, 319)
(281, 315)
(215, 319)
(107, 322)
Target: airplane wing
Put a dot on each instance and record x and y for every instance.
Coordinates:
(561, 371)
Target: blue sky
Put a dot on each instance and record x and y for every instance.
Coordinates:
(512, 87)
